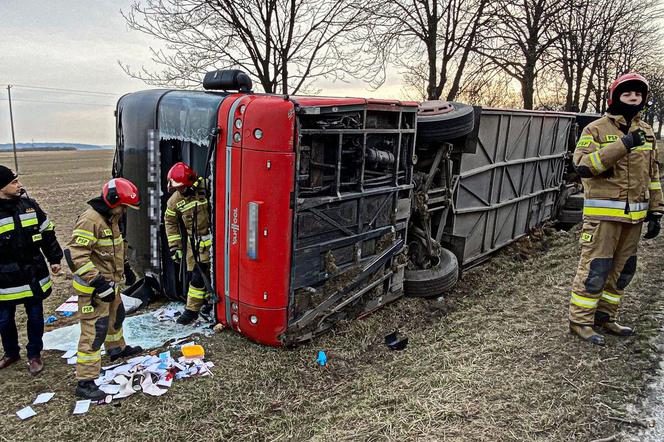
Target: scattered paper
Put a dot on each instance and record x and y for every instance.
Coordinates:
(165, 383)
(67, 307)
(82, 407)
(112, 366)
(72, 360)
(110, 388)
(68, 354)
(43, 398)
(26, 413)
(150, 388)
(120, 379)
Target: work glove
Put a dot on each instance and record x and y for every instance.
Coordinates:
(103, 289)
(633, 139)
(176, 255)
(130, 276)
(653, 219)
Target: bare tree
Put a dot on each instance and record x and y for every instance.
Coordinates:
(442, 32)
(522, 34)
(284, 44)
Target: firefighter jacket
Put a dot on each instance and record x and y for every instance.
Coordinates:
(26, 236)
(192, 210)
(618, 186)
(96, 247)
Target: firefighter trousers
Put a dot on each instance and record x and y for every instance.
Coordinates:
(101, 323)
(197, 294)
(606, 267)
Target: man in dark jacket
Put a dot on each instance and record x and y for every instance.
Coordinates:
(26, 236)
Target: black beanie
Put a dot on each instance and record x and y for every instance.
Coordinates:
(628, 111)
(6, 176)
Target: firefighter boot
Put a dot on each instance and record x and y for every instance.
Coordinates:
(187, 317)
(586, 333)
(89, 390)
(126, 352)
(602, 319)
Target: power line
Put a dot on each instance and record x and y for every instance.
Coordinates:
(57, 89)
(59, 102)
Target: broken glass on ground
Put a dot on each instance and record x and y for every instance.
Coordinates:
(149, 330)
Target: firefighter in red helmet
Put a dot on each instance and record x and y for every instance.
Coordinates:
(96, 255)
(189, 204)
(616, 159)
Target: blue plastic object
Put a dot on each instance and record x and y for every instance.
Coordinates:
(51, 319)
(322, 358)
(66, 314)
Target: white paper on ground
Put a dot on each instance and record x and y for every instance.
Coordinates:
(110, 388)
(120, 379)
(179, 366)
(150, 388)
(123, 369)
(101, 381)
(82, 407)
(125, 390)
(110, 367)
(165, 383)
(25, 413)
(67, 307)
(209, 364)
(68, 354)
(72, 360)
(130, 304)
(43, 398)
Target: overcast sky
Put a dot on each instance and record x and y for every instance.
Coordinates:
(76, 44)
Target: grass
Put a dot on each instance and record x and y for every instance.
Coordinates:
(494, 362)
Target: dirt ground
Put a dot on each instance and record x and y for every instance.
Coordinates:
(495, 362)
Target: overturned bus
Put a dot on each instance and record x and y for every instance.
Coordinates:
(329, 208)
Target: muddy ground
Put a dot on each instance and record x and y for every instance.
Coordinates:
(495, 362)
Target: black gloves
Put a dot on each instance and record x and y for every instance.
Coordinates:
(653, 219)
(104, 289)
(633, 139)
(130, 276)
(176, 255)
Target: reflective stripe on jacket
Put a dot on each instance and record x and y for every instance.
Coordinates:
(27, 235)
(623, 187)
(186, 208)
(96, 247)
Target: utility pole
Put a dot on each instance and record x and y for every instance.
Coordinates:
(11, 119)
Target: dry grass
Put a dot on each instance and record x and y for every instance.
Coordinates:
(494, 363)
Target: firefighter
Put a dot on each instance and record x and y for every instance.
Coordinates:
(189, 205)
(96, 255)
(26, 236)
(616, 158)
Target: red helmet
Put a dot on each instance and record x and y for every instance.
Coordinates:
(181, 175)
(638, 81)
(121, 192)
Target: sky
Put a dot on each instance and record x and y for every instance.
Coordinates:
(76, 45)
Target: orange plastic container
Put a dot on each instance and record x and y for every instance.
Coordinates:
(193, 351)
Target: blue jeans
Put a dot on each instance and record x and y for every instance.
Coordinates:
(35, 312)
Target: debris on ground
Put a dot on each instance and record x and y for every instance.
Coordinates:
(396, 341)
(322, 358)
(70, 305)
(50, 320)
(26, 413)
(43, 398)
(82, 406)
(152, 374)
